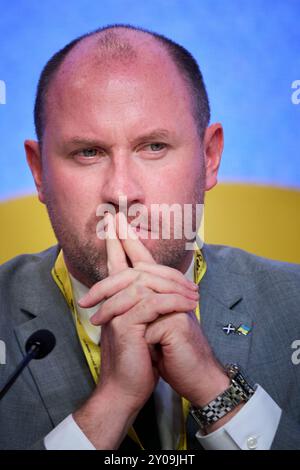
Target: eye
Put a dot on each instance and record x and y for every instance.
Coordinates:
(88, 153)
(157, 146)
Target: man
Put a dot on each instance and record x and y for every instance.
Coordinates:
(123, 114)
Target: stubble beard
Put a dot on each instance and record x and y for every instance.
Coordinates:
(85, 254)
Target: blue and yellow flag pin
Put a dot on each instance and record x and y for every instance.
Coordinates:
(243, 330)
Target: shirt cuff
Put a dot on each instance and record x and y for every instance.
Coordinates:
(67, 436)
(252, 428)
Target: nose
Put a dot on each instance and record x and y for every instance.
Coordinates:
(123, 183)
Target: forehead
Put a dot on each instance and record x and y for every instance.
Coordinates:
(97, 81)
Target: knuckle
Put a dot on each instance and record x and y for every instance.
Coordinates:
(176, 272)
(153, 300)
(139, 290)
(116, 323)
(142, 277)
(104, 309)
(182, 322)
(139, 265)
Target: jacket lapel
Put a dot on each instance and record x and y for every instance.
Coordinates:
(62, 378)
(223, 302)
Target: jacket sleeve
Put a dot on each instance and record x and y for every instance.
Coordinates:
(38, 445)
(287, 436)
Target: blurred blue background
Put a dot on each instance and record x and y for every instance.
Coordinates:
(248, 51)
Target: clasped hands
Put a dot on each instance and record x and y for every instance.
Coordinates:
(148, 326)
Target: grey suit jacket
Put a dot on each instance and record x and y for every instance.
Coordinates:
(237, 288)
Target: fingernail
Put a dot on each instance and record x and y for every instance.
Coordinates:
(93, 319)
(132, 233)
(82, 301)
(193, 286)
(196, 295)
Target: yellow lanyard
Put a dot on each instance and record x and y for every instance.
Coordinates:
(92, 351)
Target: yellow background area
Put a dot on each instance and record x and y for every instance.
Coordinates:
(259, 219)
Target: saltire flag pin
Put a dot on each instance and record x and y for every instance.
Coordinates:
(228, 329)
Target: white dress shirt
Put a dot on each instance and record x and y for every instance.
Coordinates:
(253, 427)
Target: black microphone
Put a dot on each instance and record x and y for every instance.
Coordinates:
(37, 346)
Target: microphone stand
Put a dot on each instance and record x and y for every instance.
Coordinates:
(33, 350)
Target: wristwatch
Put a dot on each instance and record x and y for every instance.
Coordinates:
(239, 391)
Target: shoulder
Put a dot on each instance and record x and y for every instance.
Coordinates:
(231, 271)
(240, 262)
(268, 291)
(26, 265)
(24, 277)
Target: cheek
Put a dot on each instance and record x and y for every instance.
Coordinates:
(73, 197)
(180, 183)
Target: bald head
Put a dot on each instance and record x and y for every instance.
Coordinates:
(116, 45)
(118, 49)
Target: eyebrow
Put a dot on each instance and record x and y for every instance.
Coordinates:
(153, 135)
(88, 142)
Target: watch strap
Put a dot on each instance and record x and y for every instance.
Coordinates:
(239, 391)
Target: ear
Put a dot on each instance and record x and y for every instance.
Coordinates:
(34, 160)
(213, 148)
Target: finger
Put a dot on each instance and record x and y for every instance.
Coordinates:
(116, 257)
(153, 305)
(108, 287)
(166, 272)
(157, 329)
(157, 277)
(164, 323)
(124, 300)
(134, 248)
